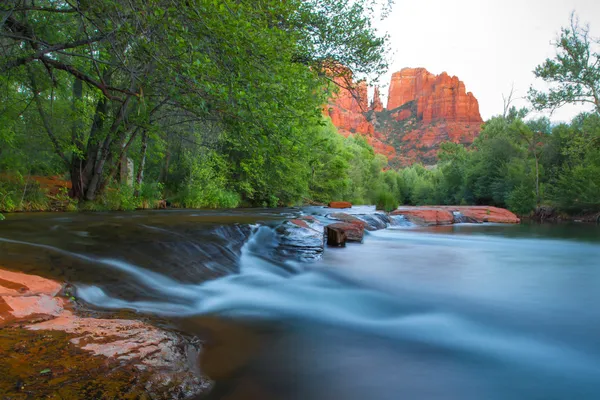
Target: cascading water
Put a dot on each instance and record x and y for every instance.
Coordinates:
(466, 311)
(404, 341)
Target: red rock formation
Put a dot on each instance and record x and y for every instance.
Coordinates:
(423, 110)
(347, 110)
(438, 97)
(376, 104)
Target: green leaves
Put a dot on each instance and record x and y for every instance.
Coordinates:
(574, 73)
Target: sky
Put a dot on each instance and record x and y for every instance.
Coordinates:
(489, 44)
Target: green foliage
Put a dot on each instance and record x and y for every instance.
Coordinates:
(18, 194)
(574, 73)
(386, 201)
(205, 183)
(518, 165)
(236, 84)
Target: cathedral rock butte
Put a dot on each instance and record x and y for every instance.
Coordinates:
(423, 110)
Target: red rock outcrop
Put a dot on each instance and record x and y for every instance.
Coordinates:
(340, 204)
(438, 97)
(376, 103)
(423, 110)
(426, 215)
(348, 111)
(445, 215)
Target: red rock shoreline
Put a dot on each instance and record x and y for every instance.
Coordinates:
(32, 303)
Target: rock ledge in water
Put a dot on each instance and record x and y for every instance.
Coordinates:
(340, 204)
(444, 215)
(31, 302)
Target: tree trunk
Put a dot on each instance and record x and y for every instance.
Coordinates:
(105, 156)
(537, 181)
(77, 157)
(164, 172)
(140, 174)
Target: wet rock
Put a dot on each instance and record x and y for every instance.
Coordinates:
(489, 214)
(426, 215)
(370, 222)
(340, 204)
(301, 239)
(353, 232)
(460, 218)
(375, 221)
(349, 218)
(32, 302)
(400, 220)
(336, 237)
(446, 215)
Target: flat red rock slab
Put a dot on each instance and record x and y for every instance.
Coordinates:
(443, 215)
(30, 299)
(340, 204)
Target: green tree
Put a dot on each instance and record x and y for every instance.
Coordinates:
(160, 81)
(574, 73)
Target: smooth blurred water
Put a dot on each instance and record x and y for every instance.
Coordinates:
(459, 312)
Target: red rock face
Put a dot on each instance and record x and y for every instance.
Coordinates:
(438, 97)
(423, 110)
(376, 104)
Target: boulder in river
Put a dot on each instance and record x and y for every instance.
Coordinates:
(340, 204)
(353, 232)
(300, 238)
(370, 222)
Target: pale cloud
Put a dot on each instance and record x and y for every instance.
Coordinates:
(488, 44)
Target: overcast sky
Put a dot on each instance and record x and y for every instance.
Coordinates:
(488, 44)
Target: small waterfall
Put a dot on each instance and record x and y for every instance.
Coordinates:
(400, 221)
(459, 218)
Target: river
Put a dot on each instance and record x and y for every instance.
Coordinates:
(468, 311)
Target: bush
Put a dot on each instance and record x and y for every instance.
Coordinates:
(521, 200)
(22, 195)
(386, 201)
(116, 198)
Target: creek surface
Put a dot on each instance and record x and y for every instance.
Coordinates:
(458, 312)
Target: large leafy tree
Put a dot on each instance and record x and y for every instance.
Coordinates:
(574, 73)
(240, 78)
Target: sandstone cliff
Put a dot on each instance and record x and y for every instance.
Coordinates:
(423, 110)
(348, 110)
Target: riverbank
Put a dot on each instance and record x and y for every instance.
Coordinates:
(54, 347)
